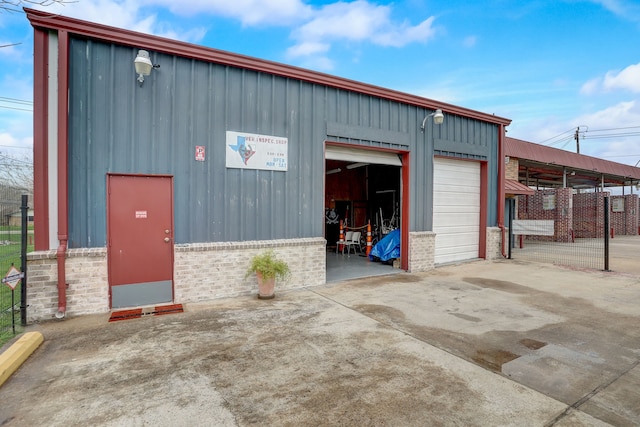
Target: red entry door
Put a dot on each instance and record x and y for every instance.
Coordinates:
(140, 239)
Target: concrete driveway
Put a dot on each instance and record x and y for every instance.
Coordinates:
(479, 344)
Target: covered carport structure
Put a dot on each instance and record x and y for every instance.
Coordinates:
(543, 167)
(571, 198)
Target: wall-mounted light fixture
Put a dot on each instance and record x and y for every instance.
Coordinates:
(143, 65)
(332, 171)
(438, 118)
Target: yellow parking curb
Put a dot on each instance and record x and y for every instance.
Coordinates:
(15, 355)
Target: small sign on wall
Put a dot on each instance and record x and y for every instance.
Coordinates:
(252, 151)
(617, 205)
(200, 153)
(548, 202)
(141, 214)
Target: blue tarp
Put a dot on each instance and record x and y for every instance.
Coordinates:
(387, 248)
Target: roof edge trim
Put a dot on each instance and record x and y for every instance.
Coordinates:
(45, 20)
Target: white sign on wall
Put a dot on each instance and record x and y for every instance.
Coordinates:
(252, 151)
(617, 205)
(548, 202)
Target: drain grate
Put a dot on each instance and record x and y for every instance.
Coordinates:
(137, 313)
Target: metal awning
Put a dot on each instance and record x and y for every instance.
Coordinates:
(514, 187)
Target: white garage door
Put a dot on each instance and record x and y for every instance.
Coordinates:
(456, 209)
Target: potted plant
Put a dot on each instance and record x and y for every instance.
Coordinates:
(267, 267)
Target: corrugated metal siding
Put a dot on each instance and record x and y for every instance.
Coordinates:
(118, 127)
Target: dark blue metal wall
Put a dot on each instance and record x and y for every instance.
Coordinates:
(116, 126)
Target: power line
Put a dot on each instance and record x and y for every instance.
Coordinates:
(605, 130)
(612, 135)
(15, 101)
(14, 108)
(624, 155)
(553, 137)
(560, 141)
(19, 102)
(13, 159)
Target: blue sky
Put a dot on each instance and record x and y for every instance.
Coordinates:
(549, 65)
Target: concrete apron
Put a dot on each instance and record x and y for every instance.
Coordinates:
(483, 343)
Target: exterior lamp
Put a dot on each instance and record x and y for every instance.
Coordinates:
(143, 65)
(438, 118)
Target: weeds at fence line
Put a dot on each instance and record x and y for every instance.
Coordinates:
(11, 251)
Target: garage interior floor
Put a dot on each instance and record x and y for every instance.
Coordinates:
(342, 267)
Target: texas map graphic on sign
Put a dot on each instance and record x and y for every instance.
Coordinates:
(244, 150)
(255, 151)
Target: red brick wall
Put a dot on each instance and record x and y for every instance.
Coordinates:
(588, 213)
(581, 213)
(533, 207)
(625, 223)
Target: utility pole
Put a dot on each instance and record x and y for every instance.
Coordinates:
(577, 138)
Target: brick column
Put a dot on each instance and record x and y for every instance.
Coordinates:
(422, 250)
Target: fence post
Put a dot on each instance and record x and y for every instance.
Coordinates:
(606, 234)
(23, 259)
(512, 203)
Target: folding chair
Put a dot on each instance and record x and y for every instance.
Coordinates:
(353, 242)
(347, 237)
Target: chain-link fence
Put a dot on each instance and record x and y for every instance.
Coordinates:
(561, 227)
(16, 234)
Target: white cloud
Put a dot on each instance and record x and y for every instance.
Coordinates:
(360, 21)
(248, 12)
(628, 79)
(306, 49)
(623, 114)
(322, 63)
(126, 14)
(622, 119)
(627, 9)
(591, 87)
(405, 34)
(314, 54)
(123, 14)
(313, 28)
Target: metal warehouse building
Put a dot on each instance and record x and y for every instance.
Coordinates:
(159, 187)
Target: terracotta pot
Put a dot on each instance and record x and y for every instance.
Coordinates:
(266, 287)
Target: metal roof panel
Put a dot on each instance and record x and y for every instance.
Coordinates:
(553, 156)
(514, 187)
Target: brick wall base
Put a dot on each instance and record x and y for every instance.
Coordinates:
(422, 250)
(86, 277)
(494, 243)
(201, 272)
(208, 271)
